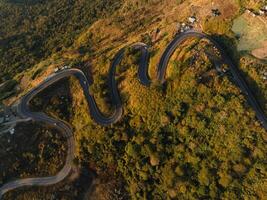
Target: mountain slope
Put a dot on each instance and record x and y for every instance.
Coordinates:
(31, 31)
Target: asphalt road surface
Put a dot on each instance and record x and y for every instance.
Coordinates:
(95, 113)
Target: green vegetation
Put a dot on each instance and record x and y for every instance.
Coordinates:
(190, 138)
(33, 30)
(7, 89)
(254, 70)
(32, 151)
(54, 105)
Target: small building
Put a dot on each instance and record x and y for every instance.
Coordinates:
(261, 12)
(56, 70)
(248, 11)
(12, 131)
(192, 19)
(187, 28)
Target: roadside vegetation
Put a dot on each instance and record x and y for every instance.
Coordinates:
(190, 139)
(255, 71)
(32, 151)
(54, 103)
(195, 137)
(73, 187)
(7, 89)
(32, 31)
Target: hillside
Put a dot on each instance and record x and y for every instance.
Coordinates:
(195, 137)
(33, 30)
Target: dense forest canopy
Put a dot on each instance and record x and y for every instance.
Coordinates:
(194, 137)
(31, 30)
(189, 139)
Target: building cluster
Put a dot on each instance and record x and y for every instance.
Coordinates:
(5, 117)
(189, 24)
(261, 12)
(183, 27)
(61, 68)
(186, 26)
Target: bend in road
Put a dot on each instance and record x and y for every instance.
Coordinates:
(95, 113)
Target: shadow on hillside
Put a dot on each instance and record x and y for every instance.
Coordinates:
(229, 44)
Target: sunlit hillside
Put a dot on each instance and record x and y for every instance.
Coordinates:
(193, 137)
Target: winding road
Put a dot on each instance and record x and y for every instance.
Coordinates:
(95, 113)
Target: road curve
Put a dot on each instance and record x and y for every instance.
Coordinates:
(100, 118)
